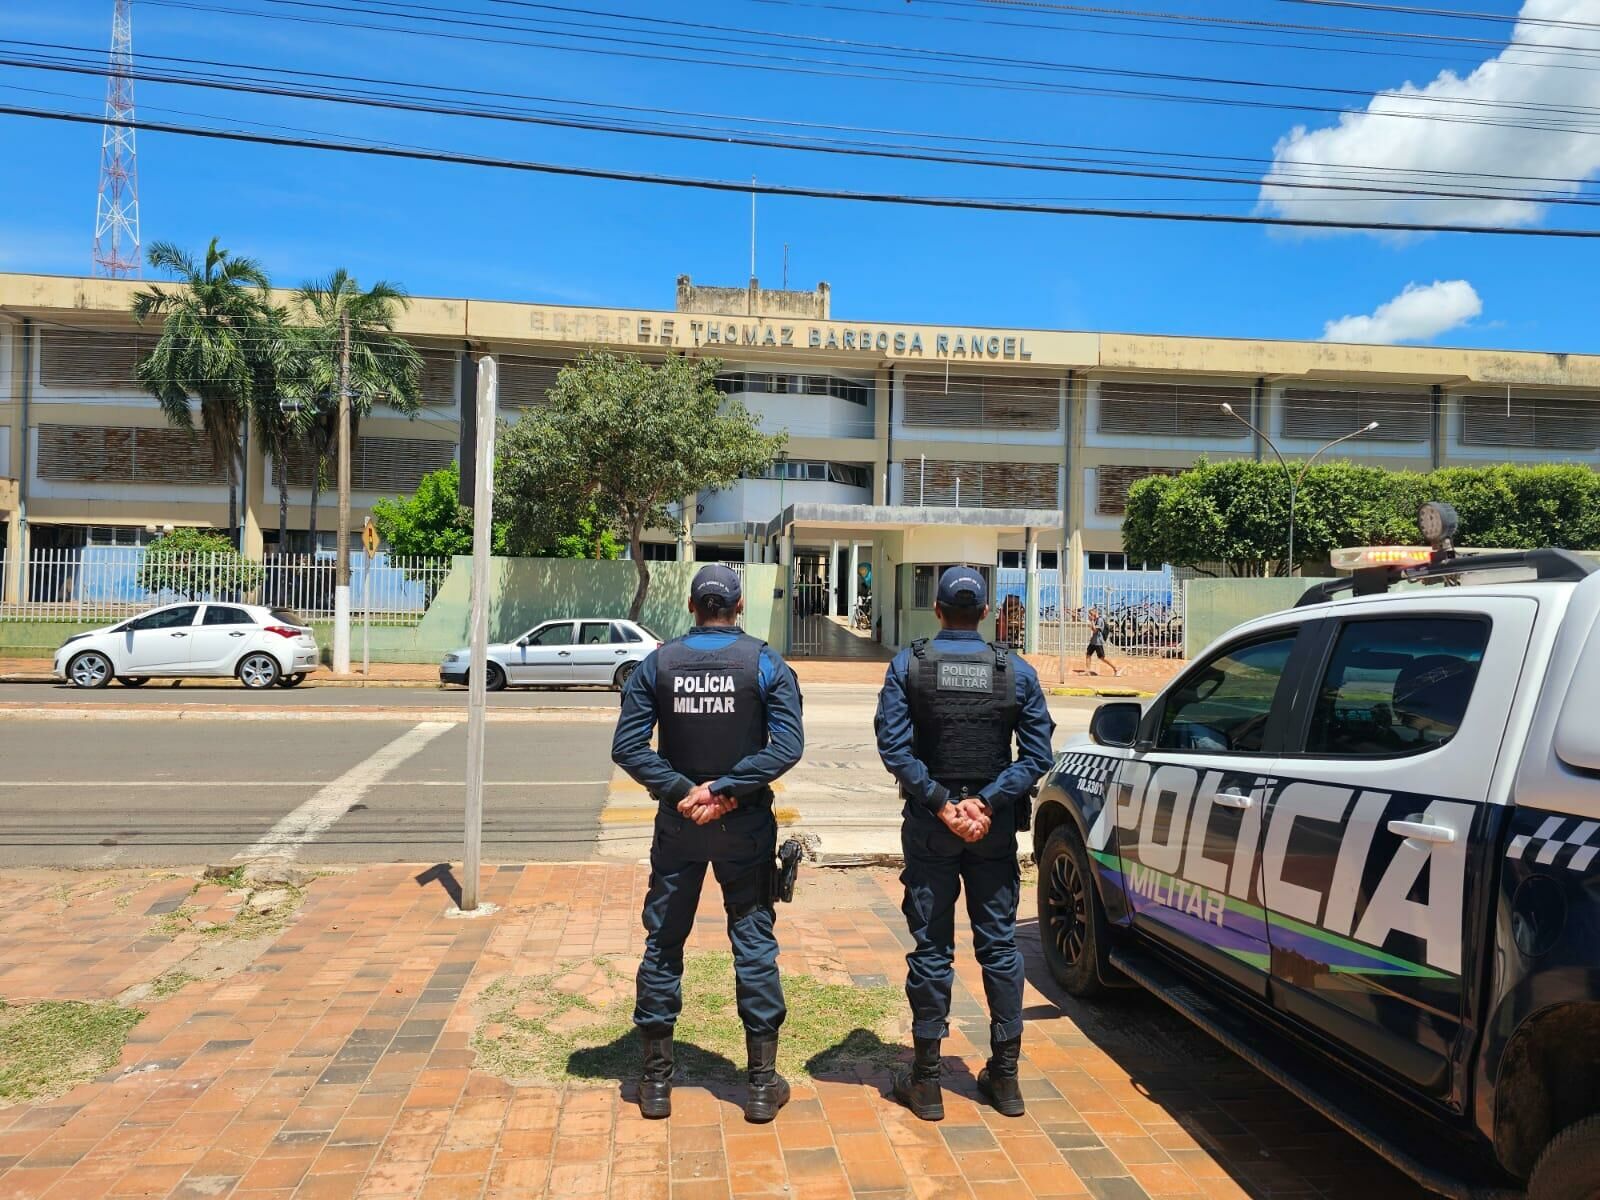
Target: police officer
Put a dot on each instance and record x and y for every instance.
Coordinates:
(727, 712)
(947, 716)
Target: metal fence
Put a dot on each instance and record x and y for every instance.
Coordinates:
(107, 583)
(1143, 611)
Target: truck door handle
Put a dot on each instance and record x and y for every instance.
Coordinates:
(1422, 832)
(1233, 800)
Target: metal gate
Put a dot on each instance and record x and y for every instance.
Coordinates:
(808, 604)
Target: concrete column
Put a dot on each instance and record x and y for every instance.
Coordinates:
(686, 544)
(1031, 593)
(854, 585)
(836, 585)
(16, 560)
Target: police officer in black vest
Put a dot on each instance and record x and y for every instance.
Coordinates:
(947, 716)
(727, 710)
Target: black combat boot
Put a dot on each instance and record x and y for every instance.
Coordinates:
(768, 1091)
(917, 1086)
(655, 1086)
(998, 1081)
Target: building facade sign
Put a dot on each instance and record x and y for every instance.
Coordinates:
(695, 331)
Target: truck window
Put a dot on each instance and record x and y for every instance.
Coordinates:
(1396, 686)
(1222, 706)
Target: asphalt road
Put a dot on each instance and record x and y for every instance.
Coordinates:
(383, 785)
(168, 793)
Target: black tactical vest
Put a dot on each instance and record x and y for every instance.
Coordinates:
(709, 710)
(963, 711)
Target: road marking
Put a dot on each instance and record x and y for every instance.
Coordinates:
(292, 783)
(318, 814)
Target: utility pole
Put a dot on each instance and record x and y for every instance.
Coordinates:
(341, 571)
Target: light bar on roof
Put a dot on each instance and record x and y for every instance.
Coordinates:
(1359, 558)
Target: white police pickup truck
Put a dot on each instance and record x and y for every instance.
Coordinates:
(1359, 843)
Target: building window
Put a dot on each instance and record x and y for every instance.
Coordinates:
(1531, 422)
(814, 471)
(1322, 414)
(145, 454)
(932, 482)
(1112, 485)
(658, 551)
(789, 384)
(1172, 409)
(982, 402)
(1116, 560)
(380, 464)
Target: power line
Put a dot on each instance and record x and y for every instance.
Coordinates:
(651, 49)
(831, 128)
(1451, 13)
(1367, 190)
(744, 188)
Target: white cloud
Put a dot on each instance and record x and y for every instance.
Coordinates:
(1415, 315)
(1468, 133)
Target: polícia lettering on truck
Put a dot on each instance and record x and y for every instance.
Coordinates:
(1226, 894)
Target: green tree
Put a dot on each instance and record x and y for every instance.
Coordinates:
(431, 522)
(212, 336)
(1236, 513)
(621, 441)
(195, 563)
(384, 367)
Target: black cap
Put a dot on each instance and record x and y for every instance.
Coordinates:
(715, 586)
(962, 587)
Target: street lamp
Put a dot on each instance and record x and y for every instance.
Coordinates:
(1295, 480)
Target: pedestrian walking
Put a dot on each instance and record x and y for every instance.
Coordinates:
(1099, 632)
(947, 717)
(726, 711)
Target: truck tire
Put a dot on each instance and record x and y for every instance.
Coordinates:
(1569, 1168)
(1072, 925)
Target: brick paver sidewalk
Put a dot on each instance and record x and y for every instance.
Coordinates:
(337, 1064)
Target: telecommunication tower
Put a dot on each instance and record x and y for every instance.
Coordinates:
(116, 218)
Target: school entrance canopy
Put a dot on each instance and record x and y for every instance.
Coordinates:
(900, 549)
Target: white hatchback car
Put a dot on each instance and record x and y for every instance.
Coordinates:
(262, 647)
(594, 652)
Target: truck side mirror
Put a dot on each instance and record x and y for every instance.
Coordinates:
(1116, 724)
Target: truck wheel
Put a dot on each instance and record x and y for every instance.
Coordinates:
(1072, 925)
(1569, 1168)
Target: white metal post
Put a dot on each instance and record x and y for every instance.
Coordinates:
(366, 616)
(1030, 620)
(478, 666)
(341, 570)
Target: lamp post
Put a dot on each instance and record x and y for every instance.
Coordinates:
(1295, 480)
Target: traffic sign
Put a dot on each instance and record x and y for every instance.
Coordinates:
(369, 538)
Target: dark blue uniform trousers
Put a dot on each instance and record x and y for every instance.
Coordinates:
(938, 863)
(740, 850)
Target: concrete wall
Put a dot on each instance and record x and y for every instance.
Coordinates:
(1214, 606)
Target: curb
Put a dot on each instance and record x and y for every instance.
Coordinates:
(231, 712)
(322, 681)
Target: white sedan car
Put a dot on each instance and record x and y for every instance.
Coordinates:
(259, 646)
(594, 652)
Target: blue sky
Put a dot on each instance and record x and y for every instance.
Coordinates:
(454, 230)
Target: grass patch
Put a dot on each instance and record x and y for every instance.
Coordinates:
(170, 984)
(48, 1048)
(577, 1024)
(252, 920)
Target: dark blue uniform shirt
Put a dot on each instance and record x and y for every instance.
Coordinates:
(631, 749)
(896, 738)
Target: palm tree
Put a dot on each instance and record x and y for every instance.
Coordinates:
(383, 366)
(211, 336)
(272, 412)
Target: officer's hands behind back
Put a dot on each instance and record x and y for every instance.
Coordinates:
(703, 807)
(968, 820)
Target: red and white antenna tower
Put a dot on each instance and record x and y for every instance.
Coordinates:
(116, 218)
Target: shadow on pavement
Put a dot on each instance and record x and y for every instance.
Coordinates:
(1265, 1138)
(444, 875)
